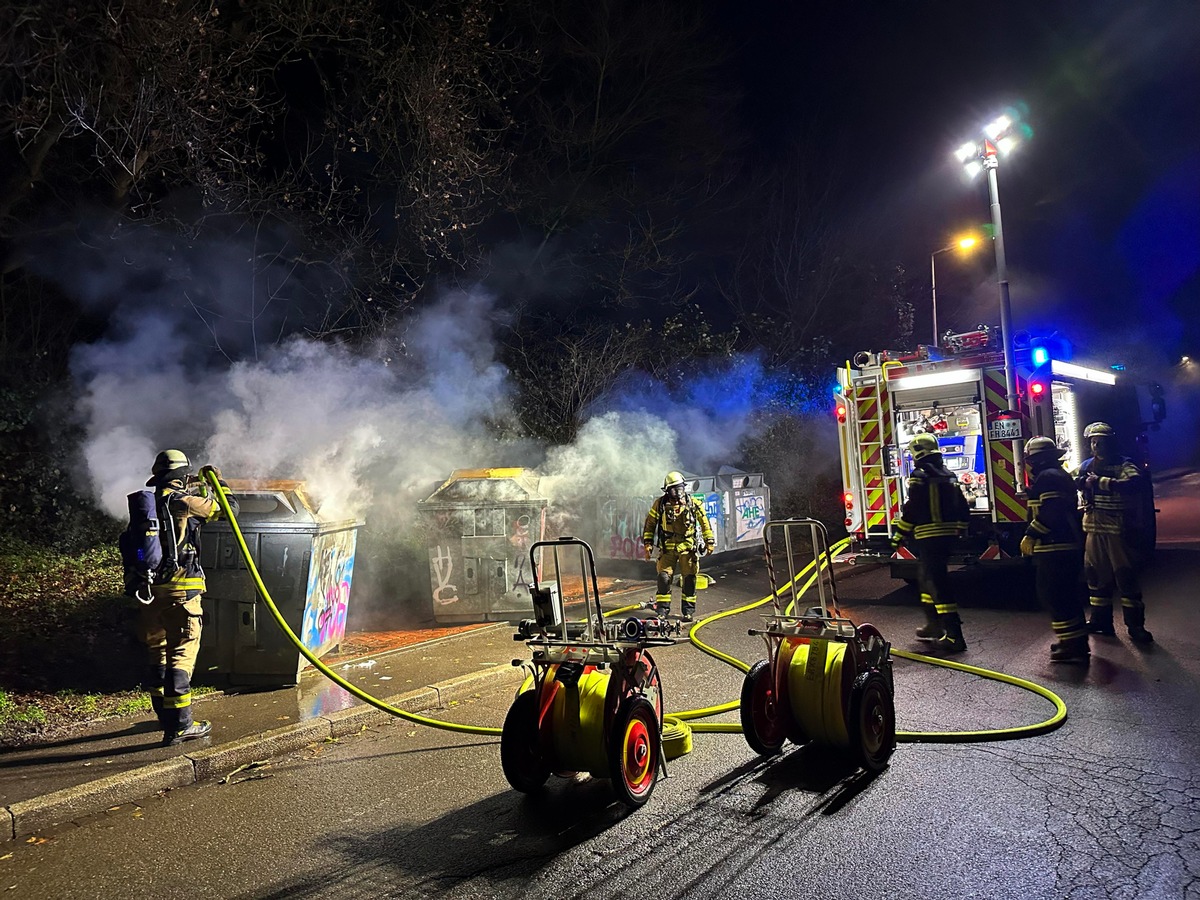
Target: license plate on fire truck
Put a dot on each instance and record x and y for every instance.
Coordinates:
(1005, 427)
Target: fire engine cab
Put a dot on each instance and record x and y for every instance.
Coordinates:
(957, 392)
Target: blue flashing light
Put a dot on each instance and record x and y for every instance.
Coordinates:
(1118, 367)
(1041, 356)
(837, 388)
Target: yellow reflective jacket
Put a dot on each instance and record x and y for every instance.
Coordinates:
(674, 524)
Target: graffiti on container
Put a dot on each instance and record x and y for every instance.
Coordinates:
(328, 595)
(441, 567)
(715, 512)
(751, 517)
(625, 517)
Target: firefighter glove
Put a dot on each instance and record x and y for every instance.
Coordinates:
(897, 540)
(1027, 545)
(649, 551)
(204, 470)
(710, 547)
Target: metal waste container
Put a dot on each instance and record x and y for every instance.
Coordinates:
(480, 525)
(306, 562)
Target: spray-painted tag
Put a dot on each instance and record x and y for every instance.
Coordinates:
(814, 668)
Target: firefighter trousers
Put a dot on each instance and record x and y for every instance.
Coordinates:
(1108, 564)
(170, 628)
(933, 578)
(1059, 584)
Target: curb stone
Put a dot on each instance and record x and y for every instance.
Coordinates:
(27, 817)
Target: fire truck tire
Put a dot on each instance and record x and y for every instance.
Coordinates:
(634, 747)
(521, 755)
(872, 724)
(761, 714)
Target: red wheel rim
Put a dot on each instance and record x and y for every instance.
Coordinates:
(637, 757)
(764, 706)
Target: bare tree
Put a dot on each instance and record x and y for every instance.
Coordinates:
(623, 145)
(373, 133)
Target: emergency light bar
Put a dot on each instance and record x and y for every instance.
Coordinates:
(934, 379)
(1070, 370)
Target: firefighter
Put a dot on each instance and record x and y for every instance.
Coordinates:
(1110, 485)
(170, 624)
(672, 521)
(934, 516)
(1054, 540)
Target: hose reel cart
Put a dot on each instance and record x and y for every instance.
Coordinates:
(592, 701)
(825, 680)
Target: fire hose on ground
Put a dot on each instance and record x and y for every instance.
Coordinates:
(677, 727)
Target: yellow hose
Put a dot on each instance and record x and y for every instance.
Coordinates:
(676, 729)
(931, 737)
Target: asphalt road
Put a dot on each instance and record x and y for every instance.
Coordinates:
(1106, 806)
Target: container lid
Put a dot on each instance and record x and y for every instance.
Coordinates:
(493, 486)
(271, 503)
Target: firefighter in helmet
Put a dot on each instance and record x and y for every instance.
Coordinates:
(1054, 540)
(933, 517)
(1110, 486)
(672, 522)
(170, 624)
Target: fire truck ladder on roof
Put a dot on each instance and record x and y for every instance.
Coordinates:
(873, 429)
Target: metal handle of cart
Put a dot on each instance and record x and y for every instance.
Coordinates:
(819, 540)
(549, 607)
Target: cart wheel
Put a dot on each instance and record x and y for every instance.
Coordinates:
(520, 745)
(762, 718)
(635, 743)
(872, 724)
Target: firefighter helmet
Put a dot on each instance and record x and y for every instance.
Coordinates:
(1043, 448)
(673, 479)
(1098, 429)
(922, 445)
(169, 461)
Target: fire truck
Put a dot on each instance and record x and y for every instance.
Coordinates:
(957, 392)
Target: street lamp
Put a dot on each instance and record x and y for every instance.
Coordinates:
(965, 243)
(1000, 137)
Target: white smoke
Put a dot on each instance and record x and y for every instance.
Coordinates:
(355, 429)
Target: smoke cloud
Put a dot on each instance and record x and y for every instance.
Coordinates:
(197, 355)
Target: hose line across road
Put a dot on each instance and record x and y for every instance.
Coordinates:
(677, 727)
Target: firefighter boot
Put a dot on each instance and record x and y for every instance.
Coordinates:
(951, 640)
(1072, 650)
(1135, 621)
(932, 629)
(1101, 621)
(190, 733)
(688, 608)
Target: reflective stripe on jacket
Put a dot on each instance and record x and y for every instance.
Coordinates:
(935, 506)
(189, 508)
(1053, 511)
(1105, 506)
(677, 523)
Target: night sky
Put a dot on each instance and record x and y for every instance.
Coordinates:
(1101, 210)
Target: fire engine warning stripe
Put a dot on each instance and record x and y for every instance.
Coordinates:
(995, 391)
(1009, 507)
(875, 498)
